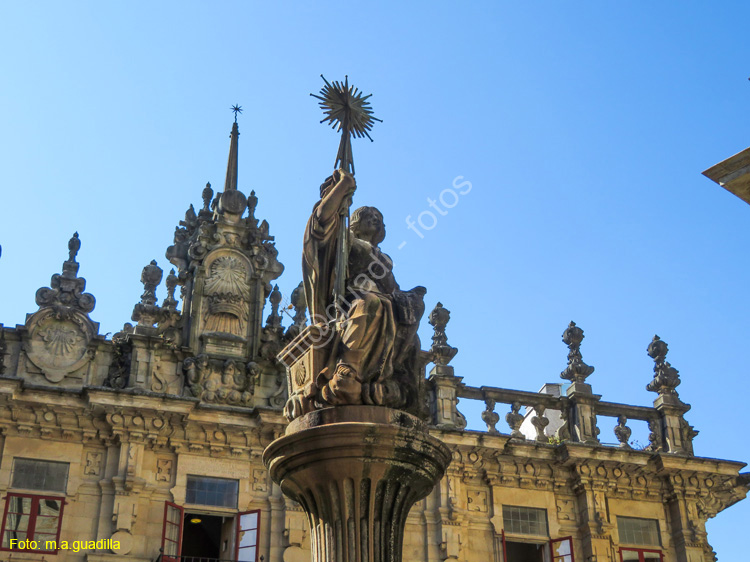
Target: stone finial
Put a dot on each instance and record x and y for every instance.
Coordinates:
(299, 302)
(299, 320)
(577, 370)
(146, 312)
(666, 378)
(274, 319)
(489, 416)
(252, 203)
(66, 289)
(514, 420)
(170, 303)
(207, 195)
(623, 432)
(150, 277)
(442, 353)
(74, 244)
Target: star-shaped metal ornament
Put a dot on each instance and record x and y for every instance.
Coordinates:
(237, 109)
(348, 111)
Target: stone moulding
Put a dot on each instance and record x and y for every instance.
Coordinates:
(357, 471)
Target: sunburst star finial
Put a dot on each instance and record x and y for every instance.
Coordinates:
(348, 112)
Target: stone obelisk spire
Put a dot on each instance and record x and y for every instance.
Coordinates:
(232, 202)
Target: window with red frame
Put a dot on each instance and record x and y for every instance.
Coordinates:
(640, 555)
(32, 518)
(248, 526)
(562, 549)
(641, 532)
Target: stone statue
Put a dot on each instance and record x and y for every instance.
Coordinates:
(372, 351)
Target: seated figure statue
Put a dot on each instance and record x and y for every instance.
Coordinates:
(372, 357)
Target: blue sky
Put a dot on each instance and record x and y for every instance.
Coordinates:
(583, 128)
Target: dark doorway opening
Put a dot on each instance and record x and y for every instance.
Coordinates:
(201, 537)
(526, 552)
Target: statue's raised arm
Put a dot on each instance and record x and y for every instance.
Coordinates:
(322, 244)
(335, 196)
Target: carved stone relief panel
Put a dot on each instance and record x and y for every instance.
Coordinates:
(221, 382)
(58, 342)
(260, 480)
(167, 377)
(477, 500)
(93, 466)
(226, 291)
(566, 510)
(164, 470)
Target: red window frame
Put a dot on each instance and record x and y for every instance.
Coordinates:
(640, 552)
(239, 529)
(181, 518)
(562, 557)
(551, 550)
(31, 527)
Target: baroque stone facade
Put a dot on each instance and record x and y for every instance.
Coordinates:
(154, 438)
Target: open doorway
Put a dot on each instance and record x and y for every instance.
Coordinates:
(190, 536)
(526, 552)
(207, 537)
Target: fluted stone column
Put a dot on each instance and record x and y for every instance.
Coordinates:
(356, 471)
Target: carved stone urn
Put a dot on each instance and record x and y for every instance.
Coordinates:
(356, 471)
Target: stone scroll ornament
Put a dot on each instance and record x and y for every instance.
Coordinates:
(362, 345)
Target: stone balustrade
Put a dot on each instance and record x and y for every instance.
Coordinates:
(570, 416)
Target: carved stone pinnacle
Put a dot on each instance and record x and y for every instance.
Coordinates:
(577, 370)
(150, 277)
(66, 289)
(274, 319)
(170, 303)
(441, 351)
(666, 378)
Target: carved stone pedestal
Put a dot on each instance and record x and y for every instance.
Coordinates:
(356, 471)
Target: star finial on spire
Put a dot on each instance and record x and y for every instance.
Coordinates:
(237, 109)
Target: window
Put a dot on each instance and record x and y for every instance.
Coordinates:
(643, 532)
(525, 520)
(556, 550)
(247, 536)
(47, 476)
(197, 536)
(562, 549)
(219, 492)
(35, 520)
(171, 534)
(640, 555)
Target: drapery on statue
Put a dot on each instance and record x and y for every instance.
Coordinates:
(371, 356)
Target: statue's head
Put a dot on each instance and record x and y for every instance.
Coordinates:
(367, 223)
